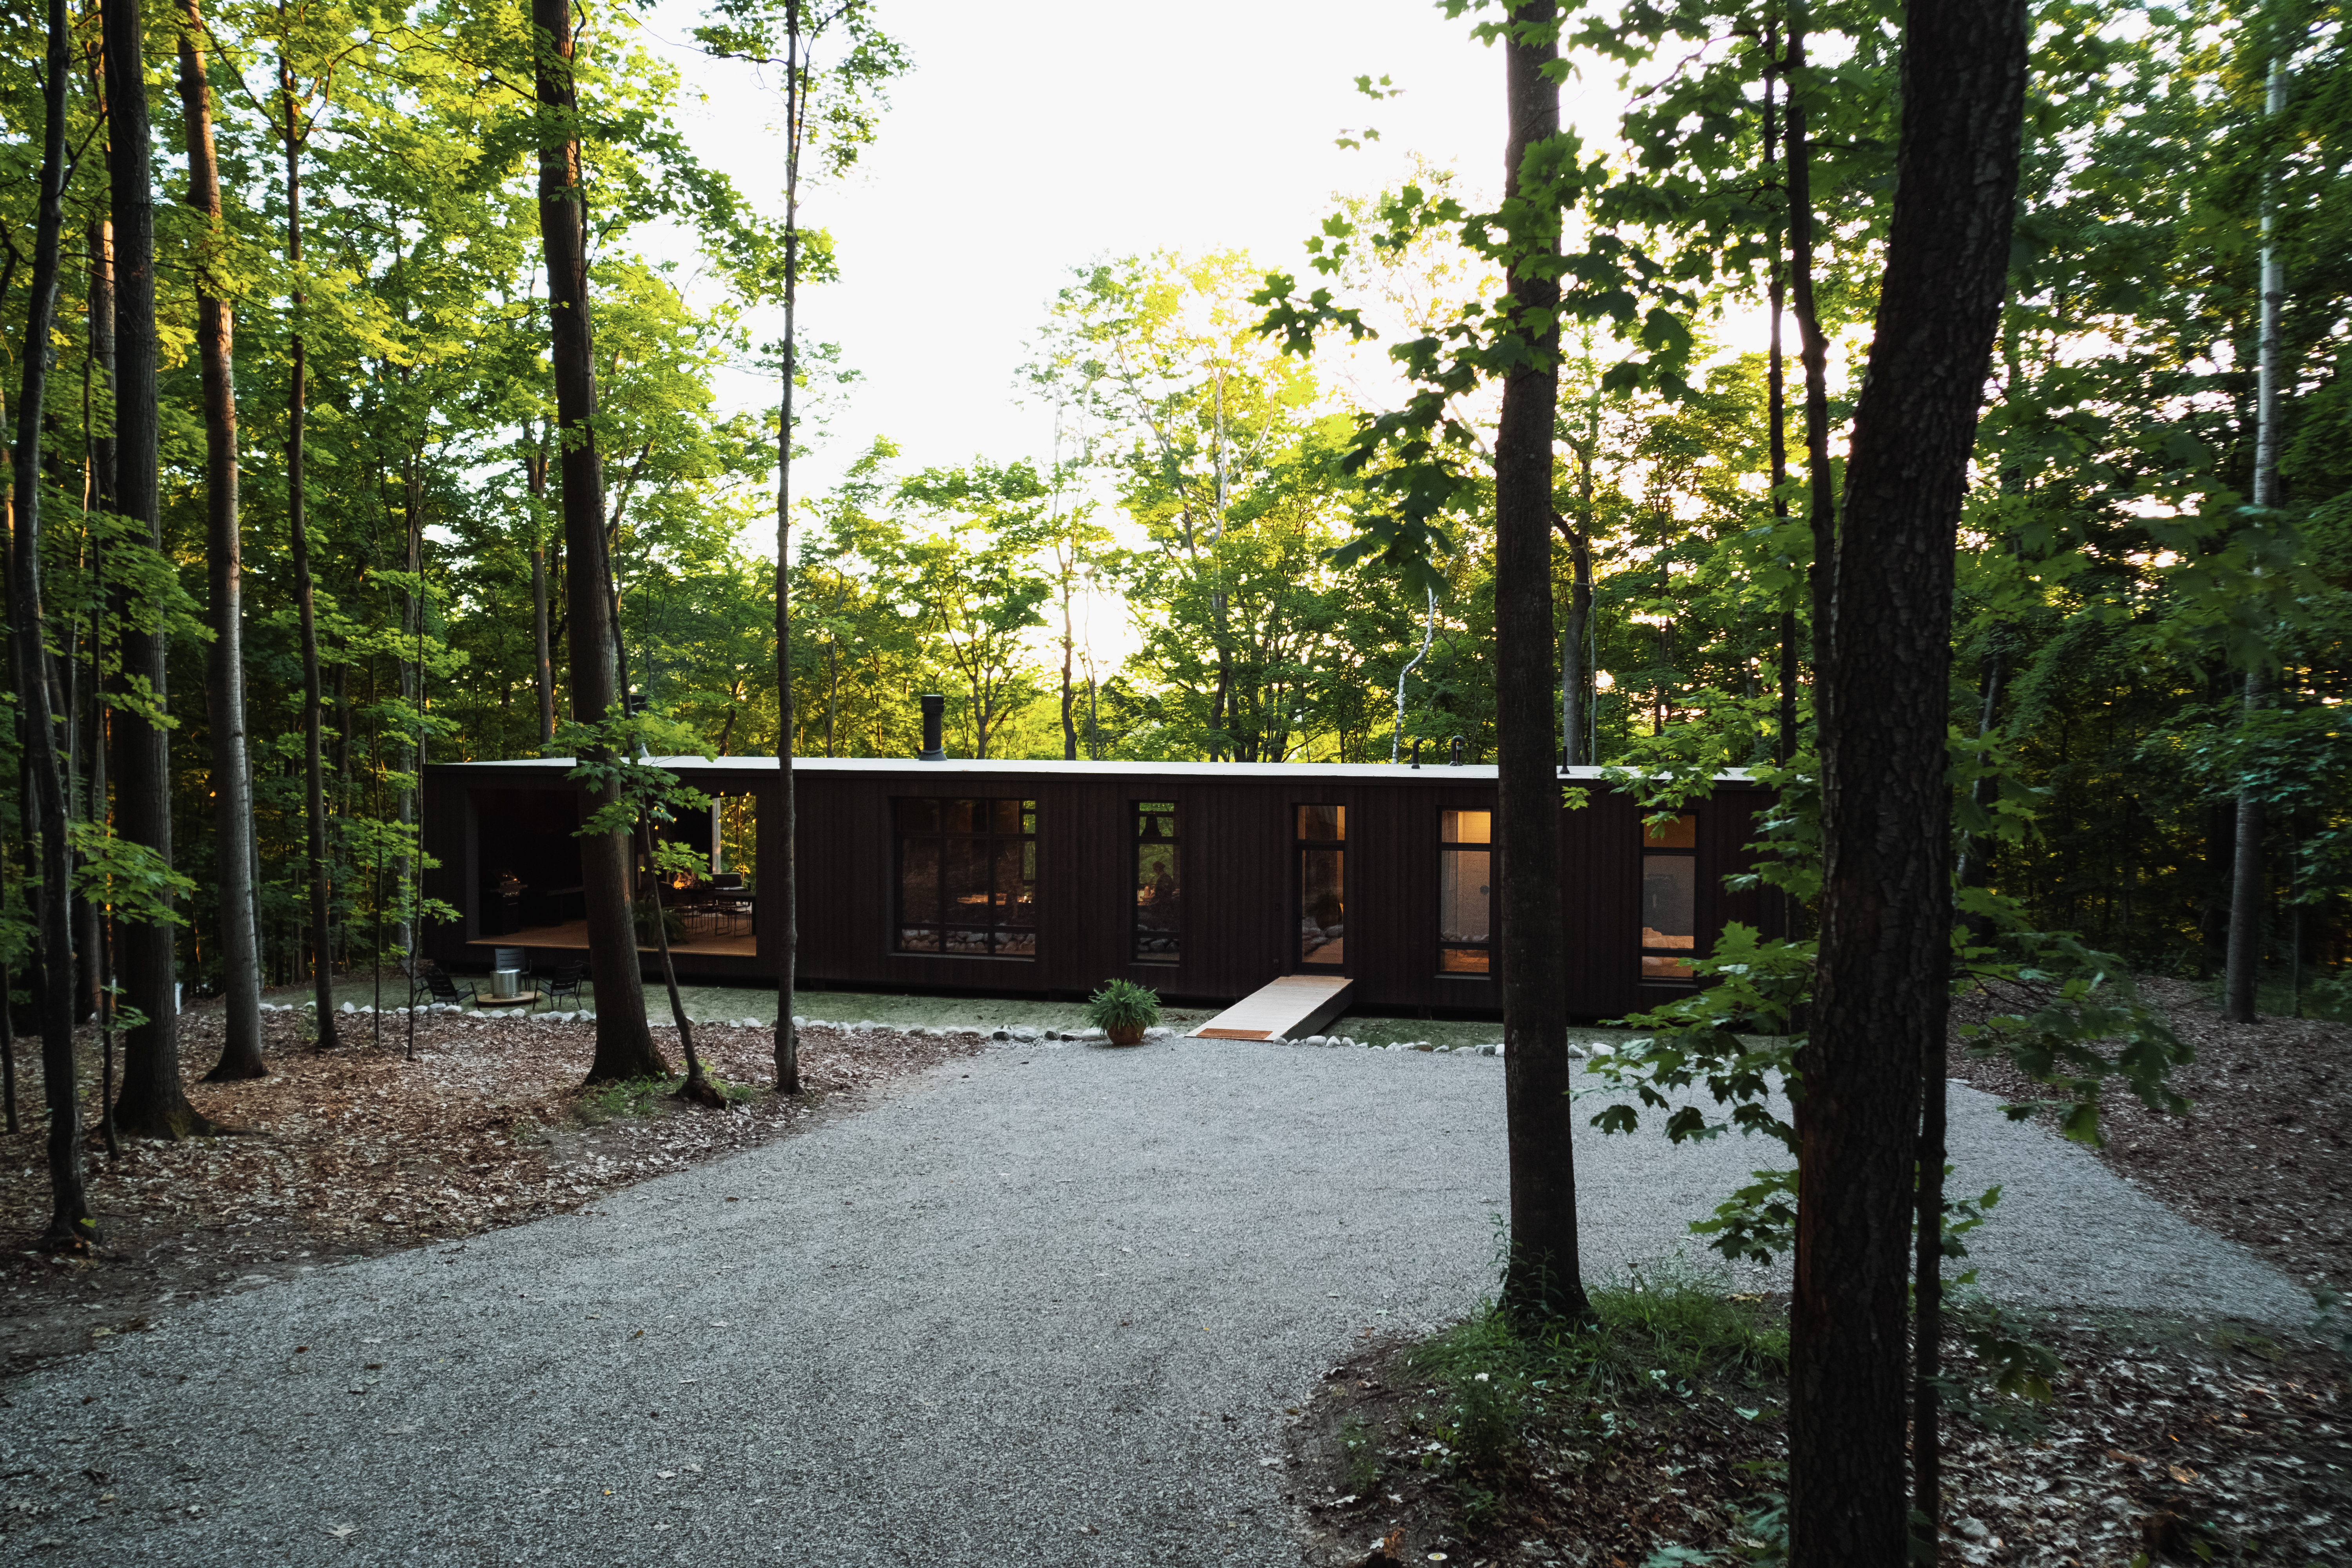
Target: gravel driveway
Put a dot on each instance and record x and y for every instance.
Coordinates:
(1048, 1312)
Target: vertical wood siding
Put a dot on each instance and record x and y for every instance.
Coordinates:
(1241, 915)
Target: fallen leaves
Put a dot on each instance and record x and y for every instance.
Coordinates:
(2264, 1156)
(357, 1151)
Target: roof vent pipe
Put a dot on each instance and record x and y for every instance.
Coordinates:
(1456, 744)
(934, 705)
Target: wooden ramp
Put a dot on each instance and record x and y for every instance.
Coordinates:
(1292, 1006)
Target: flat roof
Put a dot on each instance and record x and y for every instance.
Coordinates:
(995, 767)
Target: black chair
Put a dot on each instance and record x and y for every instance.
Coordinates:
(444, 989)
(563, 981)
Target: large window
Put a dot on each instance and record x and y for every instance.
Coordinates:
(1669, 898)
(1159, 884)
(1465, 878)
(968, 877)
(1322, 885)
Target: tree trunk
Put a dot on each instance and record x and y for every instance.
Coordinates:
(2245, 951)
(44, 802)
(624, 1045)
(412, 694)
(1544, 1277)
(697, 1087)
(1814, 349)
(1069, 693)
(151, 1103)
(314, 718)
(543, 649)
(90, 978)
(1574, 677)
(785, 879)
(2243, 962)
(1776, 380)
(224, 666)
(1883, 657)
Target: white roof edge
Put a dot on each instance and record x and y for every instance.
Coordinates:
(1434, 773)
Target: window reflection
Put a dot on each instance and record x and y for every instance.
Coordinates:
(1159, 885)
(1669, 897)
(968, 877)
(1466, 870)
(1322, 885)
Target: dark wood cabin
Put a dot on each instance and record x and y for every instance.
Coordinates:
(1204, 880)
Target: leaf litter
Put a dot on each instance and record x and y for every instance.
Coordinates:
(359, 1151)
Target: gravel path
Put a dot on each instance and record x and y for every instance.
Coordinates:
(1049, 1312)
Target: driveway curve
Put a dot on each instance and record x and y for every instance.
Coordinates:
(1041, 1306)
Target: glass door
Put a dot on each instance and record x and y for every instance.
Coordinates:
(1322, 848)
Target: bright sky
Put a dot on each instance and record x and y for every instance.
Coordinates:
(1033, 136)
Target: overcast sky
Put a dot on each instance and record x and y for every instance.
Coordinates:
(1035, 135)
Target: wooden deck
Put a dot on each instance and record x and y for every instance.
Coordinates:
(572, 936)
(1294, 1005)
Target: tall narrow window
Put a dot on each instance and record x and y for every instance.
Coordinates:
(1159, 885)
(1322, 885)
(1669, 898)
(1465, 878)
(968, 877)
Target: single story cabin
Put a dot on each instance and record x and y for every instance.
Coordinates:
(1204, 880)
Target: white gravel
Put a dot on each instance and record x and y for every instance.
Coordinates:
(1048, 1312)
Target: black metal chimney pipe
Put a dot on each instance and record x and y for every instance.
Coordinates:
(934, 705)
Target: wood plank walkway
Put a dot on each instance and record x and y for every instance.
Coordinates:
(1289, 1007)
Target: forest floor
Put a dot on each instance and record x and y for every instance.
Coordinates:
(2186, 1442)
(366, 1150)
(2182, 1440)
(2264, 1156)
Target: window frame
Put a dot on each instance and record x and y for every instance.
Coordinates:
(1698, 944)
(1443, 946)
(1026, 810)
(1298, 846)
(1172, 807)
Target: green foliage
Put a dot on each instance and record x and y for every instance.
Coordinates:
(635, 1098)
(1360, 1455)
(1662, 1332)
(1123, 1005)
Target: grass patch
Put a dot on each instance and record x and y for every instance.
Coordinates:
(643, 1097)
(1666, 1329)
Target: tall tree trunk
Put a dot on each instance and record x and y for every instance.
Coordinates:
(697, 1086)
(543, 649)
(43, 805)
(1544, 1275)
(2245, 953)
(1883, 656)
(411, 748)
(1777, 410)
(785, 879)
(91, 979)
(624, 1045)
(1069, 692)
(2242, 963)
(224, 667)
(314, 718)
(1574, 677)
(151, 1103)
(1813, 347)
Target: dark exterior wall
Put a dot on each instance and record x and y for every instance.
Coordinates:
(1240, 896)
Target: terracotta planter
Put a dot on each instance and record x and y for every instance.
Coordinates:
(1125, 1035)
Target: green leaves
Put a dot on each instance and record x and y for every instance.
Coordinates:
(617, 760)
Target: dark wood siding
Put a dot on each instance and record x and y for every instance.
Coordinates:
(1241, 916)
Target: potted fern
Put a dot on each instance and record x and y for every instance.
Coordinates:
(1123, 1010)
